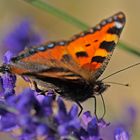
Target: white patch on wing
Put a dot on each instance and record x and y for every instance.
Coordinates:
(118, 25)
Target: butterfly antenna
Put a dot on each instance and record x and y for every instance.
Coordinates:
(120, 71)
(116, 83)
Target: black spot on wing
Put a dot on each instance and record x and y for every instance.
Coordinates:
(87, 45)
(114, 30)
(98, 59)
(96, 40)
(66, 58)
(81, 54)
(108, 46)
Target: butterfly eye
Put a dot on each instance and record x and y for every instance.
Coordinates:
(99, 87)
(96, 88)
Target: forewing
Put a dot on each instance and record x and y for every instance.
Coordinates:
(92, 49)
(85, 56)
(48, 60)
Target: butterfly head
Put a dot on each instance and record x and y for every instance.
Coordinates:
(99, 87)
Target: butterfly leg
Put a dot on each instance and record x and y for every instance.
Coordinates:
(95, 106)
(42, 92)
(34, 86)
(81, 108)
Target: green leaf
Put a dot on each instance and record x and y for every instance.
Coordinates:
(127, 48)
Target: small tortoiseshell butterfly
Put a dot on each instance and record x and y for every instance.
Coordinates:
(72, 68)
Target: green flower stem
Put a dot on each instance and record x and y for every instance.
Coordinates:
(58, 13)
(129, 49)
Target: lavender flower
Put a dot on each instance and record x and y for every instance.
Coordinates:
(36, 117)
(121, 134)
(8, 84)
(32, 117)
(42, 116)
(22, 36)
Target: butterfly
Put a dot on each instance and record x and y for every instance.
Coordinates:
(72, 67)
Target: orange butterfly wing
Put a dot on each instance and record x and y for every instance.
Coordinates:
(92, 49)
(84, 56)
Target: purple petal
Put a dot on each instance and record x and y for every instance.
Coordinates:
(1, 87)
(40, 98)
(102, 123)
(86, 118)
(22, 36)
(121, 134)
(27, 102)
(93, 129)
(8, 122)
(61, 105)
(7, 57)
(42, 130)
(47, 105)
(8, 84)
(73, 111)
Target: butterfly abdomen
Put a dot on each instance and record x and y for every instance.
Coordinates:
(75, 90)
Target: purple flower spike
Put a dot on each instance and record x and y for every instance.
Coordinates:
(86, 118)
(62, 108)
(73, 111)
(22, 36)
(131, 115)
(8, 84)
(25, 121)
(7, 57)
(32, 117)
(47, 101)
(37, 118)
(42, 130)
(1, 86)
(66, 128)
(93, 129)
(27, 102)
(8, 122)
(102, 123)
(121, 134)
(47, 105)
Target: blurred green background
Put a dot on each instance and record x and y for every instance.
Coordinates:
(117, 98)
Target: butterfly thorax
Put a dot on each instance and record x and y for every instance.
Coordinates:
(83, 92)
(80, 92)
